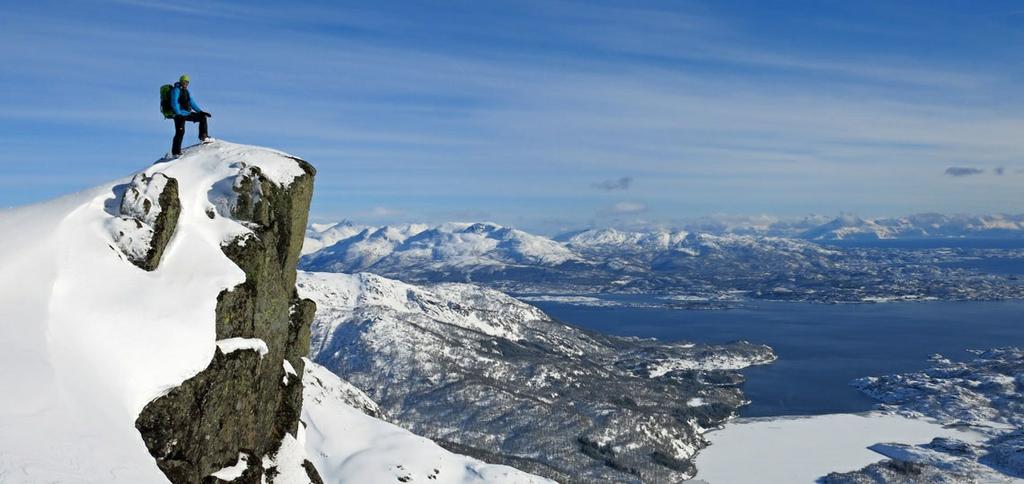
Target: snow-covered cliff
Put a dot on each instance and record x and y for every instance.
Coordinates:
(88, 338)
(151, 332)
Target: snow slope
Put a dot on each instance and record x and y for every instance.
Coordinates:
(347, 445)
(319, 236)
(87, 339)
(496, 378)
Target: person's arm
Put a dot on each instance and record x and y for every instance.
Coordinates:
(175, 94)
(195, 107)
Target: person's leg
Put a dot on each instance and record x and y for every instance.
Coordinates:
(199, 118)
(203, 134)
(179, 134)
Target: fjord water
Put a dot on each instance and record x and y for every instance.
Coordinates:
(821, 347)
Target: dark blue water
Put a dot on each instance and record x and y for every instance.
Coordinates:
(821, 347)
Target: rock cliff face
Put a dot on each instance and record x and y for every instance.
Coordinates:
(238, 410)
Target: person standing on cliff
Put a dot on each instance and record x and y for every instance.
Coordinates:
(186, 109)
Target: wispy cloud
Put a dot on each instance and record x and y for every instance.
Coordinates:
(961, 171)
(625, 208)
(384, 212)
(395, 111)
(616, 184)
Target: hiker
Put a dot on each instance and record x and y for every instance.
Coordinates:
(184, 108)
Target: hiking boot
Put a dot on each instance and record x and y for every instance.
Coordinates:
(208, 139)
(168, 157)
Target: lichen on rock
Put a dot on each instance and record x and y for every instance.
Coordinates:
(242, 403)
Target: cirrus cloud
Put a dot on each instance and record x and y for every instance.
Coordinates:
(961, 171)
(617, 184)
(622, 208)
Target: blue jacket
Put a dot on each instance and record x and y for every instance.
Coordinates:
(175, 104)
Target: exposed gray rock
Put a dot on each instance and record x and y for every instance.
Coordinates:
(147, 211)
(245, 401)
(1006, 453)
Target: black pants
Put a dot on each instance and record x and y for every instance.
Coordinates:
(179, 130)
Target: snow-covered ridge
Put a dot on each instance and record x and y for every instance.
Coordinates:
(349, 294)
(496, 378)
(89, 339)
(319, 236)
(459, 245)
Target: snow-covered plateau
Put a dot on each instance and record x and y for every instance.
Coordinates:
(711, 269)
(487, 375)
(151, 333)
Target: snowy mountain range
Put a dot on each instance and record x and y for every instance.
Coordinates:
(852, 227)
(474, 251)
(454, 251)
(701, 266)
(152, 333)
(919, 226)
(487, 375)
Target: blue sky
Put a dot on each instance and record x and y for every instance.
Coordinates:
(544, 115)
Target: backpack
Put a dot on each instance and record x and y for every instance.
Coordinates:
(165, 101)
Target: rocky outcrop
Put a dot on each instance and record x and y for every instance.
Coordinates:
(982, 395)
(236, 412)
(147, 214)
(898, 472)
